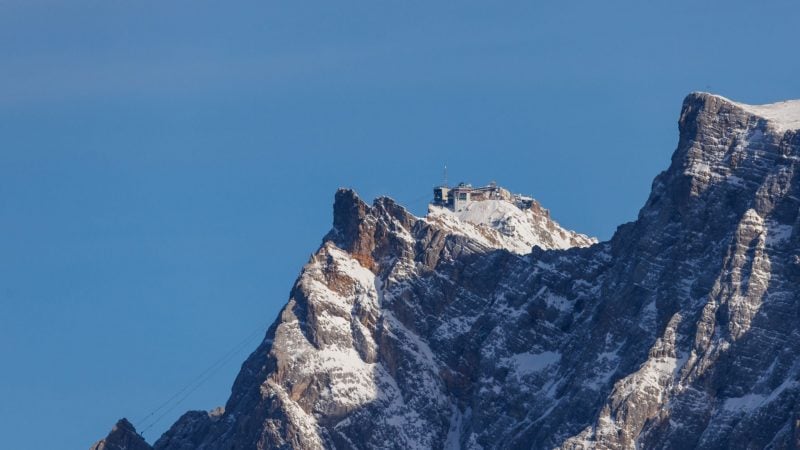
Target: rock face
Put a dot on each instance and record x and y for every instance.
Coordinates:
(682, 331)
(122, 437)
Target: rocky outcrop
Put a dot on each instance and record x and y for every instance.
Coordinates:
(122, 437)
(498, 329)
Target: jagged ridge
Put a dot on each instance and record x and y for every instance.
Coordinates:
(680, 332)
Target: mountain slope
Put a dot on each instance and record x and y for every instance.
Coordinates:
(122, 437)
(503, 224)
(444, 332)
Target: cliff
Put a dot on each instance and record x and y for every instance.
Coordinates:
(490, 330)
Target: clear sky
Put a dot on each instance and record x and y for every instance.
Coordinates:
(167, 167)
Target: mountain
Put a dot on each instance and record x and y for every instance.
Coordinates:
(494, 327)
(122, 437)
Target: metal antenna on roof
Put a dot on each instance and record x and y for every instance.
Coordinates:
(445, 175)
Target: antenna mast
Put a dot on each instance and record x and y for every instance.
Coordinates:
(445, 175)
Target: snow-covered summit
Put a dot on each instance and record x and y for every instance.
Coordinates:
(503, 224)
(497, 218)
(783, 116)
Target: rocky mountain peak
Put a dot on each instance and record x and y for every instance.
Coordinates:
(122, 437)
(348, 213)
(724, 148)
(448, 331)
(780, 117)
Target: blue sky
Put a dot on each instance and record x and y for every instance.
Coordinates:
(167, 167)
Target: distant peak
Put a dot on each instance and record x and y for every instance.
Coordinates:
(348, 212)
(122, 437)
(125, 424)
(783, 116)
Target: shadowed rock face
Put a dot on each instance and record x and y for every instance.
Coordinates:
(680, 332)
(122, 437)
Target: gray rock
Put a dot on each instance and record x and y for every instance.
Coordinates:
(679, 332)
(122, 437)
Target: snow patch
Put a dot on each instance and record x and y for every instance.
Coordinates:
(747, 402)
(778, 233)
(502, 224)
(528, 363)
(558, 302)
(783, 116)
(751, 402)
